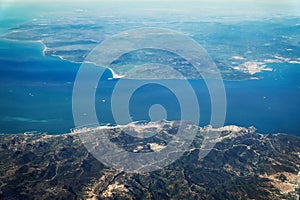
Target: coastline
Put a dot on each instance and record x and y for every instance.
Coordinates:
(137, 126)
(64, 164)
(250, 67)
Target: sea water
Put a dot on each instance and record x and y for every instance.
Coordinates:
(36, 95)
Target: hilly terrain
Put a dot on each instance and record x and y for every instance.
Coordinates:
(242, 165)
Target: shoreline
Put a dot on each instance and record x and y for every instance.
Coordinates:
(139, 126)
(117, 76)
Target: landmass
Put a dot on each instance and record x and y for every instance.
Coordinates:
(242, 165)
(241, 50)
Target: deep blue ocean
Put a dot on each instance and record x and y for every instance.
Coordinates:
(36, 95)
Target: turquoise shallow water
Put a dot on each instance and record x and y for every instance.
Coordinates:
(36, 95)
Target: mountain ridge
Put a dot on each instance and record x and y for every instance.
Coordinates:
(242, 165)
